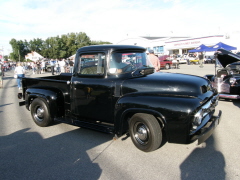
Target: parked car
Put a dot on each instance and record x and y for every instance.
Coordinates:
(165, 62)
(227, 79)
(48, 67)
(194, 61)
(209, 60)
(181, 59)
(116, 91)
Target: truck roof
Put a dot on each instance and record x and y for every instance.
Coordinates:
(110, 47)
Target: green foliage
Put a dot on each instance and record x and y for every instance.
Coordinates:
(5, 57)
(99, 42)
(53, 47)
(19, 50)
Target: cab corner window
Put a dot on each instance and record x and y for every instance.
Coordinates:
(91, 64)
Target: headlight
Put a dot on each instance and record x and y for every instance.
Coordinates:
(232, 80)
(198, 118)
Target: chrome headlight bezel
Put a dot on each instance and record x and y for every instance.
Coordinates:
(198, 118)
(232, 80)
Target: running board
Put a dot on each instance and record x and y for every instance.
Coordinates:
(98, 126)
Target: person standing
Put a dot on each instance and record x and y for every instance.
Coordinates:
(187, 59)
(154, 60)
(43, 66)
(1, 76)
(57, 67)
(20, 72)
(200, 57)
(71, 63)
(34, 67)
(62, 65)
(38, 67)
(52, 63)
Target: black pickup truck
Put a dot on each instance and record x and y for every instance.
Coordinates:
(114, 89)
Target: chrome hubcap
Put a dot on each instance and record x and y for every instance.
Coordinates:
(39, 114)
(141, 133)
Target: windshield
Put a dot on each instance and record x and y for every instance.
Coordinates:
(121, 62)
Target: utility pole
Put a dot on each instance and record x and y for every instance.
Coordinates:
(19, 55)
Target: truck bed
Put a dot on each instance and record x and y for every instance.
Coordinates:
(58, 82)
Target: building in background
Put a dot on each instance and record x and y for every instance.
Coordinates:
(180, 45)
(33, 56)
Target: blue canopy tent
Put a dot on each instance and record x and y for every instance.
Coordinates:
(221, 45)
(201, 48)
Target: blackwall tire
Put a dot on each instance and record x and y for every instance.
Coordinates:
(167, 66)
(145, 132)
(40, 112)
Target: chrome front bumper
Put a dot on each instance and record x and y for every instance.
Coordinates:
(206, 131)
(229, 96)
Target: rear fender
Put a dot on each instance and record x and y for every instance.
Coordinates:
(53, 98)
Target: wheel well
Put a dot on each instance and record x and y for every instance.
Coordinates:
(127, 117)
(52, 108)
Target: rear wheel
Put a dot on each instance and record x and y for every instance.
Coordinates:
(145, 132)
(40, 112)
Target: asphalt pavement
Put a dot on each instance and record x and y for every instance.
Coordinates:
(63, 151)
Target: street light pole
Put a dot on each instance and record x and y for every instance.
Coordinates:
(19, 55)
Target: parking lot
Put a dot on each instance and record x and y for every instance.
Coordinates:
(63, 151)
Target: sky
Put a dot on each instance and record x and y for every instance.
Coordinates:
(115, 20)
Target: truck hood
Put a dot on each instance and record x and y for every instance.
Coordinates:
(226, 57)
(169, 84)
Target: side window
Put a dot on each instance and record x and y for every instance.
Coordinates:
(91, 64)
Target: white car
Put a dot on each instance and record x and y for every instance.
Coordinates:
(181, 59)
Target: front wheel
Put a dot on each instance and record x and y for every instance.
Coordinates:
(40, 112)
(167, 66)
(49, 69)
(145, 132)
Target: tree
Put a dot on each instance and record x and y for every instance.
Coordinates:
(5, 57)
(36, 45)
(99, 42)
(53, 47)
(19, 50)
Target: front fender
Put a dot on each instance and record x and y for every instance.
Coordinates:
(53, 97)
(174, 112)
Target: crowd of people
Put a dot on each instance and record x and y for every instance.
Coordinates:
(61, 66)
(57, 66)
